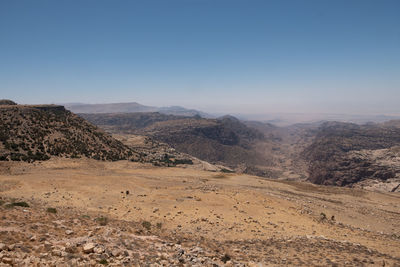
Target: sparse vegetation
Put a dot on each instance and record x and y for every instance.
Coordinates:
(102, 220)
(20, 204)
(220, 176)
(226, 170)
(51, 210)
(226, 257)
(103, 261)
(183, 161)
(146, 225)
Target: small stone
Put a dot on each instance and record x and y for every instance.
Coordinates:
(88, 247)
(56, 253)
(116, 252)
(33, 238)
(98, 250)
(69, 232)
(7, 260)
(11, 247)
(3, 247)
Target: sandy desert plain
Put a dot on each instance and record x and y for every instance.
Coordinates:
(135, 214)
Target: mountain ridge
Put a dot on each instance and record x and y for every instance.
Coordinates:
(131, 107)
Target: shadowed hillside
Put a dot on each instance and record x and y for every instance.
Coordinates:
(344, 154)
(224, 141)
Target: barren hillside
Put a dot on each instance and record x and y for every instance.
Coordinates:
(85, 212)
(224, 141)
(30, 133)
(38, 132)
(348, 154)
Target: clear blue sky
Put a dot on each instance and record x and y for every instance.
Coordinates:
(215, 55)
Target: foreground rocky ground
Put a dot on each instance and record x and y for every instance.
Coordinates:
(67, 212)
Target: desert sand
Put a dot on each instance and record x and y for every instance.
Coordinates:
(252, 220)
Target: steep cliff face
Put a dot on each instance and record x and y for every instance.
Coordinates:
(344, 154)
(37, 132)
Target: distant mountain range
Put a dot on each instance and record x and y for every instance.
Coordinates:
(132, 107)
(278, 119)
(329, 153)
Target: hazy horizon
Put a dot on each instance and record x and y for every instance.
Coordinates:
(236, 57)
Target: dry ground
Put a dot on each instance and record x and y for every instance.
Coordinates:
(249, 218)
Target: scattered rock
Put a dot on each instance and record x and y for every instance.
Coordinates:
(98, 250)
(88, 247)
(7, 260)
(69, 232)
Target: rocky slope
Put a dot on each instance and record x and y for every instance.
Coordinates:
(30, 133)
(225, 141)
(6, 102)
(37, 132)
(345, 154)
(35, 236)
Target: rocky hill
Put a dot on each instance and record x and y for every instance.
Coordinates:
(5, 102)
(31, 133)
(347, 154)
(225, 141)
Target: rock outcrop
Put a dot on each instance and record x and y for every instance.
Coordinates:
(31, 133)
(345, 154)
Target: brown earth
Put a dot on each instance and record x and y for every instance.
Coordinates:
(213, 217)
